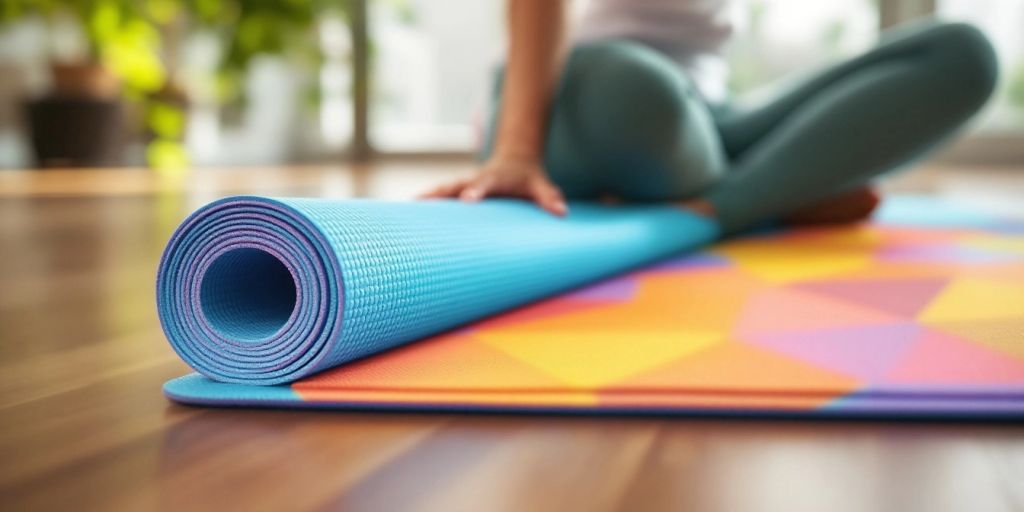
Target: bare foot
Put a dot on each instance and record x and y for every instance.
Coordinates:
(852, 206)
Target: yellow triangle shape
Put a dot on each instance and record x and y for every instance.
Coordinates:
(792, 262)
(591, 359)
(976, 299)
(1007, 244)
(1005, 336)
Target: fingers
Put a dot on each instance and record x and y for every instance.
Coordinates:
(548, 196)
(535, 187)
(477, 189)
(447, 190)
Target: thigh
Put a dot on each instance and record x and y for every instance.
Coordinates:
(640, 116)
(625, 121)
(931, 43)
(855, 122)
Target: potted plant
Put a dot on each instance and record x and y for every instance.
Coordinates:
(80, 120)
(124, 76)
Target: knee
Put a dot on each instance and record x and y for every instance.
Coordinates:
(629, 95)
(971, 62)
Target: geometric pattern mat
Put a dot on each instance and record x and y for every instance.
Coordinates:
(917, 314)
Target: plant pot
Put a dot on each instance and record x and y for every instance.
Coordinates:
(80, 124)
(84, 80)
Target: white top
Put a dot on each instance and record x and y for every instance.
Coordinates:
(690, 32)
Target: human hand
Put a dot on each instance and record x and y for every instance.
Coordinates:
(506, 177)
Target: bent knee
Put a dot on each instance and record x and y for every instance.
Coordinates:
(967, 55)
(629, 93)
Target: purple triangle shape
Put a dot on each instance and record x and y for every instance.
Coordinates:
(945, 253)
(619, 289)
(867, 353)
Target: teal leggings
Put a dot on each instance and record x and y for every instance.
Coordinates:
(626, 121)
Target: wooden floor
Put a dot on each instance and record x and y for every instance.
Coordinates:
(83, 424)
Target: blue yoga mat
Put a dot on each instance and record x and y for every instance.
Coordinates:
(255, 290)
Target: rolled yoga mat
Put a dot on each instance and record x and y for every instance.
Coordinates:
(254, 290)
(918, 313)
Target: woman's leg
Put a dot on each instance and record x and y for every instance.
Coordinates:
(627, 122)
(850, 123)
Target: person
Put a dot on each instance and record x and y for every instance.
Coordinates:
(633, 109)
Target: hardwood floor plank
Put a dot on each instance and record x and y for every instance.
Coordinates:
(83, 423)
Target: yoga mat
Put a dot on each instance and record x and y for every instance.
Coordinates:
(266, 291)
(917, 314)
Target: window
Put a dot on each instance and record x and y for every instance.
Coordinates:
(433, 60)
(432, 63)
(414, 76)
(779, 38)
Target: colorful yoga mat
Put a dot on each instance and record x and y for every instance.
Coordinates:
(919, 314)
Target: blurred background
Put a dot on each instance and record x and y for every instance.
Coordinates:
(174, 84)
(180, 102)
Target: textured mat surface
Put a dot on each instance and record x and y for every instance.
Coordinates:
(261, 291)
(920, 313)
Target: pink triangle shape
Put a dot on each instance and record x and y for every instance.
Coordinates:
(867, 352)
(790, 309)
(903, 297)
(938, 358)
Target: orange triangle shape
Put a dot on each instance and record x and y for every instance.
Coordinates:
(447, 362)
(734, 367)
